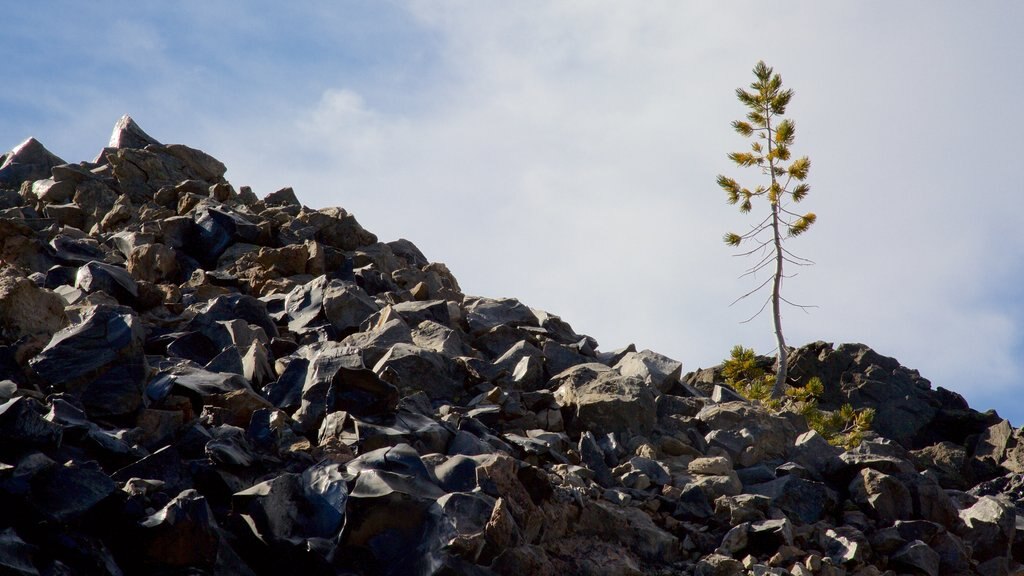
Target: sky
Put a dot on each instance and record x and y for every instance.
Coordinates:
(565, 152)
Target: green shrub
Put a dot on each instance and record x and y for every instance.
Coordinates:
(746, 374)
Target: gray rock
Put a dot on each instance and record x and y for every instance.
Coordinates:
(483, 314)
(283, 197)
(336, 228)
(758, 435)
(803, 500)
(66, 492)
(217, 228)
(845, 545)
(657, 370)
(413, 369)
(599, 398)
(408, 251)
(989, 527)
(881, 495)
(346, 306)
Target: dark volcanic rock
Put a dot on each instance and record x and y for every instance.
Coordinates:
(194, 380)
(100, 361)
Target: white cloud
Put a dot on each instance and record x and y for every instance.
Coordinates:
(565, 153)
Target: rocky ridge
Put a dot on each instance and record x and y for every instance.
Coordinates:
(196, 380)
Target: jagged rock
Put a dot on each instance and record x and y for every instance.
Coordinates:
(26, 310)
(100, 360)
(596, 397)
(346, 306)
(336, 228)
(411, 368)
(28, 161)
(65, 492)
(216, 229)
(845, 545)
(22, 427)
(657, 370)
(483, 314)
(295, 508)
(759, 538)
(181, 534)
(128, 134)
(113, 280)
(152, 263)
(990, 527)
(749, 434)
(884, 496)
(245, 386)
(803, 500)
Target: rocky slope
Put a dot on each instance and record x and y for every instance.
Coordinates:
(194, 380)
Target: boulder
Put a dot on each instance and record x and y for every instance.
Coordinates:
(595, 397)
(989, 526)
(657, 370)
(99, 360)
(26, 310)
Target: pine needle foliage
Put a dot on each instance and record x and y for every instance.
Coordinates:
(784, 185)
(844, 427)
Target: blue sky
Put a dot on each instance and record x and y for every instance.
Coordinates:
(565, 152)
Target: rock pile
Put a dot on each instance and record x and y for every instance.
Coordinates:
(194, 380)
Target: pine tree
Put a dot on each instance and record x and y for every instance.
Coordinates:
(770, 152)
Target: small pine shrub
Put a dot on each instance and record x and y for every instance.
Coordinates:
(844, 427)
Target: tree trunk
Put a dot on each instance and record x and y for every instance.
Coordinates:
(782, 360)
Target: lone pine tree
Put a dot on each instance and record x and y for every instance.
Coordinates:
(773, 136)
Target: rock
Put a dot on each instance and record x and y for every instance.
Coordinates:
(16, 556)
(881, 495)
(216, 229)
(28, 161)
(845, 545)
(411, 369)
(758, 538)
(596, 397)
(918, 557)
(293, 508)
(346, 306)
(766, 436)
(181, 534)
(26, 310)
(66, 492)
(718, 565)
(283, 197)
(22, 427)
(128, 134)
(336, 228)
(990, 527)
(100, 361)
(152, 263)
(113, 280)
(483, 314)
(802, 500)
(658, 371)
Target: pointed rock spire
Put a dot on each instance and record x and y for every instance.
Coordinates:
(29, 160)
(128, 134)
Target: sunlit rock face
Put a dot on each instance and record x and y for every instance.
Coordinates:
(195, 379)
